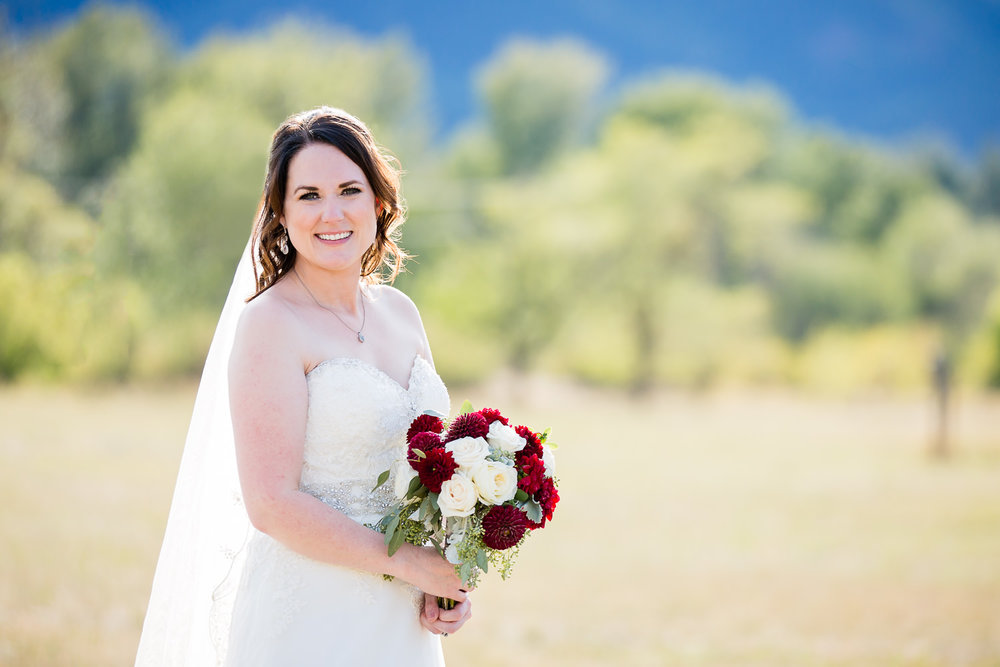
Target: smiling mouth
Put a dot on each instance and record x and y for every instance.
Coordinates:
(334, 237)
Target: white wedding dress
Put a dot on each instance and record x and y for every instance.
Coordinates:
(290, 610)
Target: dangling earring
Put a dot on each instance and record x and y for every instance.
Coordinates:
(283, 242)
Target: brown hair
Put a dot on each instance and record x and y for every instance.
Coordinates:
(384, 259)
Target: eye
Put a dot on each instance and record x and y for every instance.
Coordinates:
(309, 195)
(351, 190)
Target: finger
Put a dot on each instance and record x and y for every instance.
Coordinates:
(452, 615)
(449, 628)
(431, 609)
(429, 626)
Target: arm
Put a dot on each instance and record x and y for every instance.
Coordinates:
(268, 400)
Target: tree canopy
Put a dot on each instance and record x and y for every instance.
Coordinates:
(682, 230)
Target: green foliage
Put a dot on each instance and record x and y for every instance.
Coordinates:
(693, 234)
(539, 99)
(294, 67)
(818, 284)
(179, 210)
(949, 264)
(89, 81)
(682, 103)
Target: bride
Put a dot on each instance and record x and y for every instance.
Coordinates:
(327, 368)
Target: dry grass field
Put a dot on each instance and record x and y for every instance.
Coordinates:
(727, 529)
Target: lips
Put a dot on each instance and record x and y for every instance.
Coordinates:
(334, 237)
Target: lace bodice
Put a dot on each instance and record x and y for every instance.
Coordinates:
(356, 427)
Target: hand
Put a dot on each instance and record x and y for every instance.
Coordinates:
(444, 621)
(428, 571)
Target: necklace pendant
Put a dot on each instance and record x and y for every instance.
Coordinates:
(361, 337)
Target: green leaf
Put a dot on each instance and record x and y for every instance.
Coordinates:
(466, 408)
(521, 495)
(465, 572)
(533, 510)
(544, 435)
(482, 561)
(420, 453)
(434, 501)
(382, 479)
(425, 508)
(396, 542)
(414, 485)
(437, 545)
(390, 528)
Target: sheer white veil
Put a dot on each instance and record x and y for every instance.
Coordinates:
(187, 621)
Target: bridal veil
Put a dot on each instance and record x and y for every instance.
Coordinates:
(187, 621)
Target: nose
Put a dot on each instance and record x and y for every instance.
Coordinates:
(333, 211)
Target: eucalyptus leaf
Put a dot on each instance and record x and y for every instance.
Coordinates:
(482, 561)
(396, 542)
(521, 495)
(434, 501)
(425, 508)
(382, 479)
(414, 485)
(465, 572)
(390, 529)
(533, 510)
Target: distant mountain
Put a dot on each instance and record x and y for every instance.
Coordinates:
(894, 70)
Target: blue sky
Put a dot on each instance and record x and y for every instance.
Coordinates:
(896, 70)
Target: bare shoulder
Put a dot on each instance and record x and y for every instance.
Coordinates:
(401, 310)
(395, 301)
(265, 317)
(263, 321)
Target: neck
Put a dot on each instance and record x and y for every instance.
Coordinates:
(338, 292)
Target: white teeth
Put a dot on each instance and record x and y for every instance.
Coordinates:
(334, 237)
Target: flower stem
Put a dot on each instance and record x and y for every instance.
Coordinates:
(446, 603)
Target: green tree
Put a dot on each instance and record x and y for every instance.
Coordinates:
(539, 99)
(77, 102)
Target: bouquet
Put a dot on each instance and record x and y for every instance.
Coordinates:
(474, 488)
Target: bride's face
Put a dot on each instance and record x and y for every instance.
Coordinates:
(329, 209)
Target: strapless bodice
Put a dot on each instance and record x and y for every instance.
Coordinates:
(356, 427)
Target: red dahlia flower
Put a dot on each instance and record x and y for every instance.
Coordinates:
(532, 443)
(491, 415)
(548, 498)
(532, 472)
(436, 468)
(425, 442)
(424, 423)
(472, 425)
(503, 526)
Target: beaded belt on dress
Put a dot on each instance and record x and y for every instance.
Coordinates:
(354, 498)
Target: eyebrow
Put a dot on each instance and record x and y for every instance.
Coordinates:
(313, 188)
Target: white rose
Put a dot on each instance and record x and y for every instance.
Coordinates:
(549, 459)
(495, 482)
(402, 474)
(468, 452)
(458, 496)
(505, 438)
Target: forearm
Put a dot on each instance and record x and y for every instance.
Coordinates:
(312, 528)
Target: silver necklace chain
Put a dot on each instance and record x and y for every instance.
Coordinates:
(364, 315)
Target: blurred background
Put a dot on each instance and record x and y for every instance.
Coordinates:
(758, 244)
